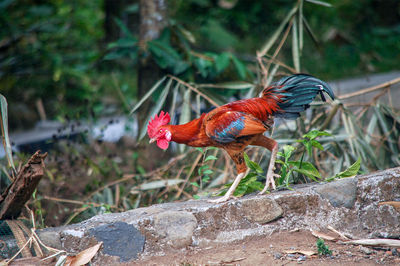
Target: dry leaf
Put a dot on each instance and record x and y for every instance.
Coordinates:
(395, 204)
(322, 235)
(83, 257)
(304, 252)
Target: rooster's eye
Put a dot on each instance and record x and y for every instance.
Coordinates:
(160, 130)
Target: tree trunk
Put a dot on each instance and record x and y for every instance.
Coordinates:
(153, 19)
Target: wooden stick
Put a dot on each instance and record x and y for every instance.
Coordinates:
(194, 89)
(370, 89)
(374, 242)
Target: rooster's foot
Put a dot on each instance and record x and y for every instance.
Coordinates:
(270, 181)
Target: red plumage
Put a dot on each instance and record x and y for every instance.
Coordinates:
(238, 124)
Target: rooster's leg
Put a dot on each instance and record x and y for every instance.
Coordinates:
(241, 168)
(271, 145)
(229, 193)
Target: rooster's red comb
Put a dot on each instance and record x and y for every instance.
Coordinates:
(156, 122)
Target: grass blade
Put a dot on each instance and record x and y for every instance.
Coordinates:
(147, 95)
(4, 131)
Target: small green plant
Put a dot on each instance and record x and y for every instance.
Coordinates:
(322, 248)
(249, 183)
(204, 170)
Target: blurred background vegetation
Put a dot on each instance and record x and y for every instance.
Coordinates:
(73, 54)
(83, 60)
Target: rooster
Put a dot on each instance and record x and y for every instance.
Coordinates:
(236, 125)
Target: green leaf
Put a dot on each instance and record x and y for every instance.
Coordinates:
(317, 145)
(306, 168)
(196, 197)
(240, 67)
(201, 168)
(195, 184)
(210, 157)
(222, 61)
(199, 149)
(316, 133)
(123, 28)
(351, 171)
(252, 165)
(287, 151)
(4, 132)
(206, 179)
(207, 172)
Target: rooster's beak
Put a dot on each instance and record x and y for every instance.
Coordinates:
(152, 140)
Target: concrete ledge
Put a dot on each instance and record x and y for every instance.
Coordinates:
(350, 205)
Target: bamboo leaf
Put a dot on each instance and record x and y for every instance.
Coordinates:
(295, 48)
(158, 184)
(173, 104)
(271, 75)
(301, 29)
(147, 95)
(321, 3)
(185, 114)
(275, 35)
(234, 85)
(4, 131)
(310, 31)
(157, 107)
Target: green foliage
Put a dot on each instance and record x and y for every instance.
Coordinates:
(352, 170)
(204, 171)
(178, 58)
(47, 50)
(322, 248)
(249, 183)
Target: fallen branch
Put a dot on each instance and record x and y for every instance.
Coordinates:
(373, 242)
(370, 89)
(20, 191)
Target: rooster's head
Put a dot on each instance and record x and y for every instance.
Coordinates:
(157, 130)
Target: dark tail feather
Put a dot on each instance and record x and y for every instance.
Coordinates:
(296, 92)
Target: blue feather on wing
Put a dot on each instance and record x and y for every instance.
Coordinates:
(230, 132)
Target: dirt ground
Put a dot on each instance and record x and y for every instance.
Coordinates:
(272, 250)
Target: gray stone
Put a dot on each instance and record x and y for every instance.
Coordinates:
(120, 239)
(341, 193)
(260, 210)
(175, 227)
(50, 238)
